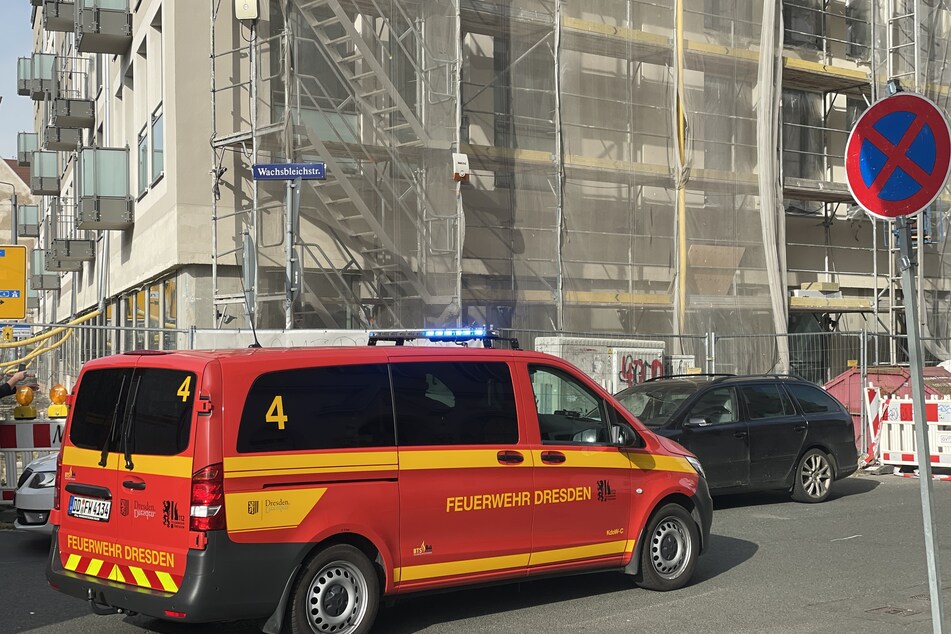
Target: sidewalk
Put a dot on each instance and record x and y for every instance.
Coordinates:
(7, 515)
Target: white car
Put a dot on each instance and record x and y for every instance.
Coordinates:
(34, 495)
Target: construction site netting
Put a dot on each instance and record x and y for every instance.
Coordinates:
(624, 177)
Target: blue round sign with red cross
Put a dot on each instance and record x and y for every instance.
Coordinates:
(898, 156)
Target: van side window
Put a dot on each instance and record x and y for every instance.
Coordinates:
(332, 407)
(464, 403)
(568, 412)
(101, 395)
(161, 412)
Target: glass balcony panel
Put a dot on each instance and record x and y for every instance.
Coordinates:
(44, 165)
(112, 5)
(27, 143)
(24, 76)
(105, 173)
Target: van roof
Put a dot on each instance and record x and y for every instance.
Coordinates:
(241, 356)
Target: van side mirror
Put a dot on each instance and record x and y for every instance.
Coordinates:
(623, 436)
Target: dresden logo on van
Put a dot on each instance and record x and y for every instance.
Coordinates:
(254, 507)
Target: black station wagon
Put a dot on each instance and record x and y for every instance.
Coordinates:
(752, 432)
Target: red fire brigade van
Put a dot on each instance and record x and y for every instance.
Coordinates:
(302, 485)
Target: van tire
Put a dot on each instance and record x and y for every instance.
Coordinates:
(337, 591)
(670, 549)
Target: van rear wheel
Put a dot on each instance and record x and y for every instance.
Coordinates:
(338, 591)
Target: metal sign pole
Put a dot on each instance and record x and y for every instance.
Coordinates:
(915, 369)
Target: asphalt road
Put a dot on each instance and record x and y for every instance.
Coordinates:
(854, 564)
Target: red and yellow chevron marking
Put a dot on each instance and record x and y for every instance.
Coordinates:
(133, 575)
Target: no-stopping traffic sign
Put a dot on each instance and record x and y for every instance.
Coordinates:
(898, 156)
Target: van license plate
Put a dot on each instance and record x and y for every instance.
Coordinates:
(89, 508)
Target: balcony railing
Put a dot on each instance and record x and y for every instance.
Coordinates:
(103, 26)
(102, 196)
(27, 143)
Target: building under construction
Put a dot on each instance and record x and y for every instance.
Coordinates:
(638, 167)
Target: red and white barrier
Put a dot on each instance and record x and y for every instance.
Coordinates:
(897, 444)
(20, 442)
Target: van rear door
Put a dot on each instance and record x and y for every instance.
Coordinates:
(155, 476)
(89, 510)
(147, 412)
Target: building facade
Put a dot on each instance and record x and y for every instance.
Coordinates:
(635, 167)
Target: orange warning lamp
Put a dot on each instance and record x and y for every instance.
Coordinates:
(24, 397)
(57, 408)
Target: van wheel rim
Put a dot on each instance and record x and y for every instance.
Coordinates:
(337, 599)
(816, 476)
(670, 548)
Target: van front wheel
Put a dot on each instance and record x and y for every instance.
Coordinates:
(670, 549)
(338, 591)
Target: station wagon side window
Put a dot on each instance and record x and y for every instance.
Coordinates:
(767, 400)
(718, 405)
(568, 412)
(455, 403)
(331, 407)
(813, 400)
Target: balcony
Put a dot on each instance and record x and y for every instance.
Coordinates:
(72, 113)
(61, 266)
(61, 139)
(67, 243)
(102, 189)
(27, 143)
(40, 278)
(44, 174)
(59, 16)
(103, 26)
(32, 299)
(35, 76)
(28, 221)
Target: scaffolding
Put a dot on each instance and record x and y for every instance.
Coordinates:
(628, 170)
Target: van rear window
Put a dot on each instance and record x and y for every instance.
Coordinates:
(161, 411)
(101, 396)
(334, 407)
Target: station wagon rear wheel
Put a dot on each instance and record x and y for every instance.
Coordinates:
(670, 549)
(814, 476)
(336, 593)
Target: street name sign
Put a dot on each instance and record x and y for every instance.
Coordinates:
(288, 171)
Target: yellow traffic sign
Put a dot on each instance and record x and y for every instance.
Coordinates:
(12, 282)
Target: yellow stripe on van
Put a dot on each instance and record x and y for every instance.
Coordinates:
(72, 562)
(584, 457)
(455, 568)
(302, 463)
(458, 459)
(661, 463)
(559, 555)
(88, 458)
(270, 509)
(166, 581)
(629, 547)
(140, 578)
(175, 466)
(116, 574)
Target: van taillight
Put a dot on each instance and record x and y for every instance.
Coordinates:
(208, 499)
(58, 479)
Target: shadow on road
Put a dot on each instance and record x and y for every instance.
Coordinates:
(722, 554)
(841, 489)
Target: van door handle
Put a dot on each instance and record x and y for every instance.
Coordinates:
(553, 457)
(134, 485)
(510, 457)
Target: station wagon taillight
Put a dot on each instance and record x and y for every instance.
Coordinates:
(208, 499)
(58, 479)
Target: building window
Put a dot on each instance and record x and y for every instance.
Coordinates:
(170, 314)
(858, 29)
(143, 154)
(158, 144)
(804, 23)
(803, 140)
